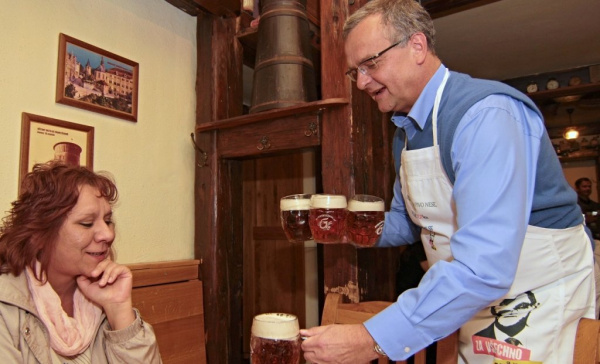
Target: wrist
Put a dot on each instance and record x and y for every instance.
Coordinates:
(379, 351)
(120, 317)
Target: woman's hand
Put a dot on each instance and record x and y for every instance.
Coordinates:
(109, 286)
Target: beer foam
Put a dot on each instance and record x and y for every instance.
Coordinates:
(288, 204)
(328, 201)
(275, 326)
(355, 205)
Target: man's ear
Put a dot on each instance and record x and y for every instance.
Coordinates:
(418, 46)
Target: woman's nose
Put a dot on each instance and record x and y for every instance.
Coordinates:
(106, 233)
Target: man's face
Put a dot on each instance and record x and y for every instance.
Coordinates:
(585, 189)
(392, 84)
(510, 311)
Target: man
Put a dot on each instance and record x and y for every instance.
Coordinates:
(589, 207)
(481, 185)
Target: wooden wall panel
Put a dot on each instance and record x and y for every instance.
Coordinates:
(173, 304)
(179, 340)
(273, 267)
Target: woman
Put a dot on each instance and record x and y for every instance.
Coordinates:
(62, 297)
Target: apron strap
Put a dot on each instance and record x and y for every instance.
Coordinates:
(436, 105)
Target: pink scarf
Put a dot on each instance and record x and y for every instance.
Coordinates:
(69, 336)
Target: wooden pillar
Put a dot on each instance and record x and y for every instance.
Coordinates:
(356, 158)
(218, 230)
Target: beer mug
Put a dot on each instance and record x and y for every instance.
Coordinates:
(327, 218)
(294, 217)
(275, 339)
(364, 222)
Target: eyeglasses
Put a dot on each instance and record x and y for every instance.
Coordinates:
(368, 64)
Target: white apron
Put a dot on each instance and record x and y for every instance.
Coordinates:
(550, 301)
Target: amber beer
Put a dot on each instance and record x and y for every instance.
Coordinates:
(294, 217)
(364, 222)
(275, 339)
(327, 218)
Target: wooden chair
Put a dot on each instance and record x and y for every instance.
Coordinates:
(336, 312)
(587, 342)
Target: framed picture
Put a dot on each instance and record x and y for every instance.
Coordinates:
(93, 79)
(44, 139)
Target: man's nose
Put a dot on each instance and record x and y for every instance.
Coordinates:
(362, 80)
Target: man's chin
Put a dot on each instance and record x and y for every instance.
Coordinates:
(384, 107)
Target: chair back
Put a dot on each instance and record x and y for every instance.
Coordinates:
(587, 342)
(336, 312)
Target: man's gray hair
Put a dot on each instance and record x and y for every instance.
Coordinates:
(401, 18)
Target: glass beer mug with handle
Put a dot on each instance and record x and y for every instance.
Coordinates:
(275, 339)
(327, 218)
(294, 217)
(364, 222)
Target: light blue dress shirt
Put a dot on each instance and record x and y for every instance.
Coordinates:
(494, 156)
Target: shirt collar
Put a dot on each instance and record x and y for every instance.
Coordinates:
(422, 108)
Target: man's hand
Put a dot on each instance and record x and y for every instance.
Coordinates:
(339, 344)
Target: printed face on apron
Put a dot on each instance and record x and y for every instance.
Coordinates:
(537, 319)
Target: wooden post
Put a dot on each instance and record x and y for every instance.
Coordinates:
(218, 189)
(356, 158)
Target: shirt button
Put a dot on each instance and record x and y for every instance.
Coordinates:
(407, 349)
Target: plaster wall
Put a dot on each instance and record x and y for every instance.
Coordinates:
(152, 160)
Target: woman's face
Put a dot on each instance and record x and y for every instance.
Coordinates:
(85, 237)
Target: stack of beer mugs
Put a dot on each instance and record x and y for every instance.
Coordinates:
(331, 219)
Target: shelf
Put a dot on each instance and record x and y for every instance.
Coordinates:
(270, 115)
(565, 91)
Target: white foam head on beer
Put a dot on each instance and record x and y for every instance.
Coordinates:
(276, 326)
(294, 202)
(328, 201)
(366, 205)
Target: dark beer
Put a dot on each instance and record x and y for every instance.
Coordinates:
(294, 217)
(269, 351)
(364, 222)
(275, 339)
(327, 218)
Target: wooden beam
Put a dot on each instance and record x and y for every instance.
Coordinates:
(440, 8)
(224, 8)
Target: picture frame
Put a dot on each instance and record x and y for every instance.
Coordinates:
(44, 139)
(94, 79)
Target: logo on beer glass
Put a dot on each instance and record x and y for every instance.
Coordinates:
(275, 339)
(294, 217)
(365, 220)
(327, 218)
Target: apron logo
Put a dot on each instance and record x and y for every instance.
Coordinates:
(499, 349)
(431, 237)
(510, 319)
(424, 204)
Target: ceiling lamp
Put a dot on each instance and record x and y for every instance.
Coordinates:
(571, 132)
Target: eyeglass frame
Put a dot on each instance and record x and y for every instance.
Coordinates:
(354, 71)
